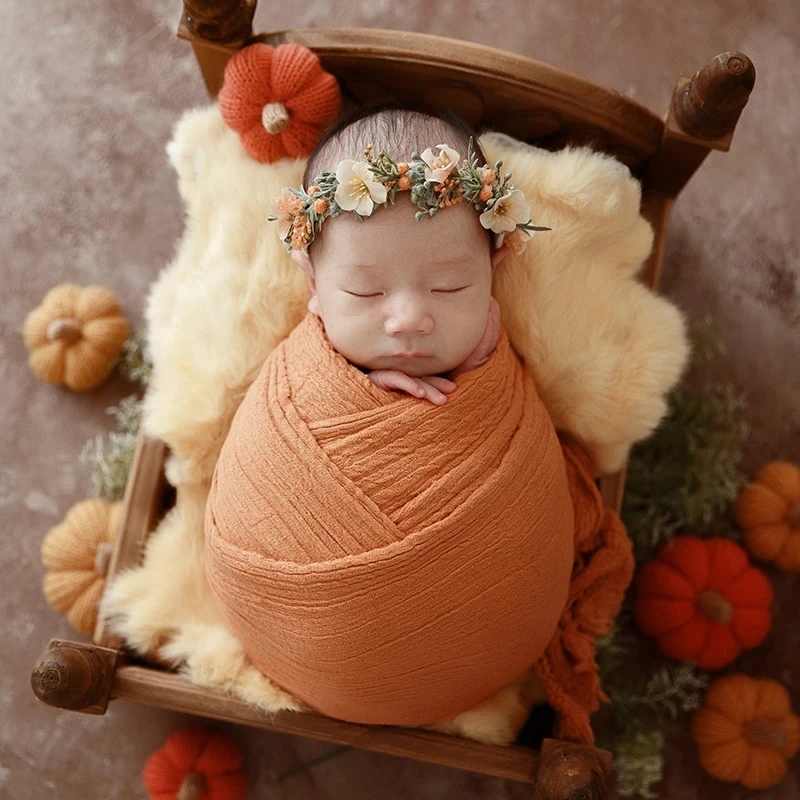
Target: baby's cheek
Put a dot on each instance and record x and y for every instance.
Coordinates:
(473, 332)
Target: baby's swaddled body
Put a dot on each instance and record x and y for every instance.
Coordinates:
(390, 528)
(383, 559)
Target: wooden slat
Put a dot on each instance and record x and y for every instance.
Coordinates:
(612, 489)
(550, 87)
(140, 508)
(153, 687)
(657, 210)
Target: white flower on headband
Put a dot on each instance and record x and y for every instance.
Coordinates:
(441, 165)
(358, 190)
(507, 212)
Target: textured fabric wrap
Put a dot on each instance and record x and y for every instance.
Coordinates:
(385, 560)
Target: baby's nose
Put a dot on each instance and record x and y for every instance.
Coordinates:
(410, 322)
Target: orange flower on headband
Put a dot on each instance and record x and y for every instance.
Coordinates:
(278, 99)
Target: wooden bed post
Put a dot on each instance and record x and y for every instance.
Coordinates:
(75, 676)
(216, 29)
(571, 772)
(701, 117)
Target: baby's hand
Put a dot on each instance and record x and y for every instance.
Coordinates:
(480, 355)
(431, 387)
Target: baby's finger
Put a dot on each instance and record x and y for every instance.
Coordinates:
(395, 379)
(442, 384)
(430, 392)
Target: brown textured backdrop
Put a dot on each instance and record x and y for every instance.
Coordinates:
(90, 92)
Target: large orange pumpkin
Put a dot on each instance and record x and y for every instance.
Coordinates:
(746, 731)
(768, 511)
(196, 764)
(278, 99)
(702, 601)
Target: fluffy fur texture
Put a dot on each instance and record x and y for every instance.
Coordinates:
(604, 351)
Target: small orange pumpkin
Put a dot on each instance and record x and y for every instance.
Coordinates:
(768, 511)
(746, 731)
(279, 100)
(76, 335)
(702, 601)
(196, 764)
(75, 555)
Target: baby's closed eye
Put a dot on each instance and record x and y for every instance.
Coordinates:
(380, 294)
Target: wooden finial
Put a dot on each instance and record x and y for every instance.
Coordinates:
(219, 20)
(74, 676)
(571, 772)
(710, 104)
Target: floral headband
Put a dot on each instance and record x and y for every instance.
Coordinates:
(434, 180)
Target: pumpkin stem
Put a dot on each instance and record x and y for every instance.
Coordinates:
(274, 117)
(715, 606)
(765, 732)
(193, 787)
(102, 556)
(793, 517)
(64, 328)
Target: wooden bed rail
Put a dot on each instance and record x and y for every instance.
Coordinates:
(84, 677)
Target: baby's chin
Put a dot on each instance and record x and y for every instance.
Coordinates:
(415, 367)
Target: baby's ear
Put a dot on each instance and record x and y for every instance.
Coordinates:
(499, 254)
(301, 257)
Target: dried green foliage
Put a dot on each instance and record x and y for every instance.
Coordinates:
(110, 459)
(670, 690)
(685, 476)
(639, 762)
(136, 360)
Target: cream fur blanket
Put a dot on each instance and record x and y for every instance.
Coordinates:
(603, 350)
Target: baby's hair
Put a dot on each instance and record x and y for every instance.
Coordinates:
(398, 127)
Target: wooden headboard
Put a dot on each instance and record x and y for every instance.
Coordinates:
(527, 99)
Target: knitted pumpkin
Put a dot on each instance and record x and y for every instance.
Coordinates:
(75, 555)
(702, 601)
(196, 764)
(279, 100)
(746, 731)
(768, 511)
(76, 336)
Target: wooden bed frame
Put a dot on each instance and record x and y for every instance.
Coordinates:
(489, 88)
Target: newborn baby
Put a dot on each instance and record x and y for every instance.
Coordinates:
(408, 302)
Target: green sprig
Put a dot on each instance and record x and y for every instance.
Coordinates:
(110, 460)
(685, 477)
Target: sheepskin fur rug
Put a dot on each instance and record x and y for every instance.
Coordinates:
(603, 350)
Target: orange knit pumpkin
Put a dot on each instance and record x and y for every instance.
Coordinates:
(702, 601)
(75, 336)
(746, 731)
(768, 511)
(279, 100)
(75, 555)
(196, 764)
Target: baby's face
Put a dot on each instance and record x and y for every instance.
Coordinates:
(390, 285)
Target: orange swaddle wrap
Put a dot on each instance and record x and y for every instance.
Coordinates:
(388, 561)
